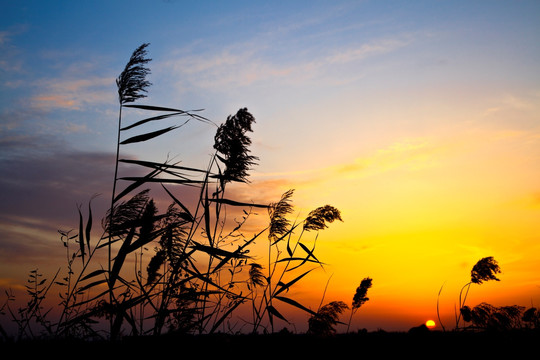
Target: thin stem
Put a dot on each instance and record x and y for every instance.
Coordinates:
(438, 313)
(462, 303)
(111, 209)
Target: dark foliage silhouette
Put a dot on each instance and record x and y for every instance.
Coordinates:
(484, 270)
(360, 297)
(489, 317)
(186, 269)
(324, 321)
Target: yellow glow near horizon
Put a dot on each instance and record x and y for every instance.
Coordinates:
(420, 212)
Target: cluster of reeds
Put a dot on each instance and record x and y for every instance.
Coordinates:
(504, 318)
(185, 268)
(486, 316)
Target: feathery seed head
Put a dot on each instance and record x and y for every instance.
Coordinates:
(485, 270)
(132, 81)
(317, 218)
(279, 224)
(232, 142)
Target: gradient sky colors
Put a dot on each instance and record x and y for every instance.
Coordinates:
(419, 120)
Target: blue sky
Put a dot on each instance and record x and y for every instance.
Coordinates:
(345, 93)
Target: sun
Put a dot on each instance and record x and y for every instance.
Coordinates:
(430, 324)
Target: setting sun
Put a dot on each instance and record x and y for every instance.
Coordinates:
(430, 324)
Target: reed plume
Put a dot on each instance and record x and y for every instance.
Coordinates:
(279, 224)
(132, 81)
(484, 270)
(323, 322)
(360, 297)
(318, 218)
(233, 144)
(256, 277)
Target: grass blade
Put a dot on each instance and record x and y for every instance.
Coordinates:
(138, 182)
(88, 229)
(147, 136)
(295, 304)
(186, 210)
(92, 274)
(273, 311)
(160, 108)
(290, 283)
(237, 203)
(120, 258)
(161, 180)
(91, 285)
(153, 108)
(154, 118)
(160, 166)
(81, 234)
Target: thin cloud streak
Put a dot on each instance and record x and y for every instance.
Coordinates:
(242, 65)
(74, 94)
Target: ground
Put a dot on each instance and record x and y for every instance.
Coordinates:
(430, 344)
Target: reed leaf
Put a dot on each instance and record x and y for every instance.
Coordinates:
(309, 252)
(160, 166)
(238, 203)
(144, 179)
(207, 224)
(295, 304)
(153, 118)
(217, 252)
(88, 229)
(93, 274)
(147, 136)
(91, 285)
(136, 183)
(81, 234)
(179, 203)
(120, 258)
(154, 108)
(273, 312)
(286, 286)
(190, 113)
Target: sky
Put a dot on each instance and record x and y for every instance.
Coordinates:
(418, 120)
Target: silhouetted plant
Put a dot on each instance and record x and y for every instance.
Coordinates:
(298, 255)
(484, 270)
(359, 297)
(33, 314)
(488, 317)
(324, 321)
(532, 318)
(201, 270)
(232, 143)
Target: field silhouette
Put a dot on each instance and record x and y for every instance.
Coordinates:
(194, 268)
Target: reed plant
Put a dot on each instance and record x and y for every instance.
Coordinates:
(186, 268)
(484, 270)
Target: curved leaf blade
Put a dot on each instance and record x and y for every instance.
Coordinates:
(147, 136)
(295, 304)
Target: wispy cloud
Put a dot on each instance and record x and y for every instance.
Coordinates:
(73, 94)
(247, 64)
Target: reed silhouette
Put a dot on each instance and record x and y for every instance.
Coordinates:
(189, 268)
(201, 269)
